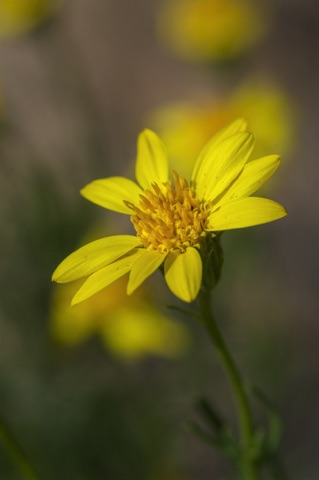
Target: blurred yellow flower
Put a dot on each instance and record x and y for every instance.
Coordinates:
(20, 16)
(269, 112)
(130, 327)
(211, 30)
(174, 219)
(186, 126)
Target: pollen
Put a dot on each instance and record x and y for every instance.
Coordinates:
(170, 217)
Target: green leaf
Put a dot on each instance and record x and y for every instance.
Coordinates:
(274, 433)
(224, 443)
(210, 414)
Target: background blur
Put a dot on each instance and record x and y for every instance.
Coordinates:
(78, 81)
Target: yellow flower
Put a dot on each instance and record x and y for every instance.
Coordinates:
(185, 126)
(19, 16)
(270, 113)
(173, 219)
(130, 327)
(211, 30)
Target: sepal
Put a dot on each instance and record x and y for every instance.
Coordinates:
(213, 258)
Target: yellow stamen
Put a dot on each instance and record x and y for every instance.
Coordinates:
(170, 217)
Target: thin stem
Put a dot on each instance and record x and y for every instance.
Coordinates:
(16, 453)
(248, 465)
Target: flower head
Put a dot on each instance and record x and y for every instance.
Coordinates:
(174, 219)
(211, 30)
(131, 328)
(20, 16)
(185, 126)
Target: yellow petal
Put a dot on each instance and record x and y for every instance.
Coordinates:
(222, 165)
(93, 256)
(253, 176)
(111, 192)
(143, 268)
(183, 274)
(151, 163)
(107, 275)
(238, 125)
(245, 212)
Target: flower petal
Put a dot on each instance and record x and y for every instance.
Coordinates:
(245, 212)
(93, 256)
(222, 165)
(238, 125)
(183, 274)
(111, 192)
(143, 268)
(253, 176)
(151, 163)
(107, 275)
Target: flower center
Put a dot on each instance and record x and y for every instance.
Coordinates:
(170, 218)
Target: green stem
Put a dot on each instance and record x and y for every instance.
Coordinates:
(248, 465)
(16, 453)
